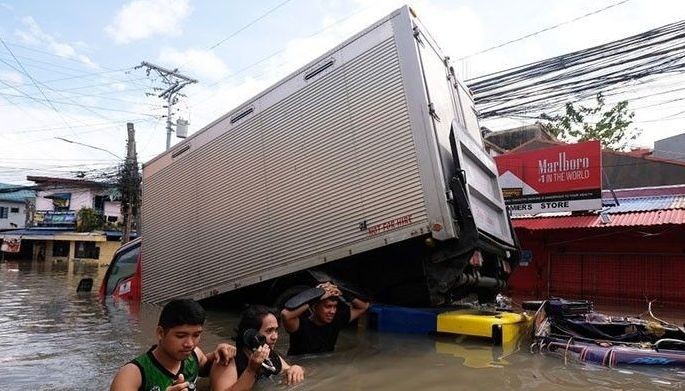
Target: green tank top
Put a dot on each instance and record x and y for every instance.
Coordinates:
(157, 378)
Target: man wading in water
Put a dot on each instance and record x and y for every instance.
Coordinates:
(317, 331)
(175, 363)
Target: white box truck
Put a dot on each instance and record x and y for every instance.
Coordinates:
(367, 166)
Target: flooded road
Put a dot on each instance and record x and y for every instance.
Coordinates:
(52, 338)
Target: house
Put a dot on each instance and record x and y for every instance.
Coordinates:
(58, 201)
(53, 233)
(13, 201)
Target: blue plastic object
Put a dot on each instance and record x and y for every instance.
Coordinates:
(392, 319)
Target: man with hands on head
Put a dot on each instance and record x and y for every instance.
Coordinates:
(176, 361)
(314, 328)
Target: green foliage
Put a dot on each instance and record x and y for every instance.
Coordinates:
(611, 127)
(89, 220)
(128, 183)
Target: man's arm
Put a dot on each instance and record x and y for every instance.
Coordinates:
(291, 318)
(128, 378)
(222, 355)
(357, 308)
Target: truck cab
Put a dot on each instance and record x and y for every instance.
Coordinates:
(122, 279)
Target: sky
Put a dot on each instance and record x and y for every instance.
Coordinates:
(68, 68)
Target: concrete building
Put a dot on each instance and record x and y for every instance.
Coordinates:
(58, 201)
(671, 148)
(53, 233)
(13, 206)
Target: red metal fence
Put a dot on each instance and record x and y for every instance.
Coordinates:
(618, 278)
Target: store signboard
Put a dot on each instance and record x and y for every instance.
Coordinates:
(558, 179)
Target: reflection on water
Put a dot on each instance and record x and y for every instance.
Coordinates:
(55, 339)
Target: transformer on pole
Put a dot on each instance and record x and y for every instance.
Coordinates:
(175, 82)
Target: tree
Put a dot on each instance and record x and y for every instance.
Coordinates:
(128, 182)
(611, 127)
(88, 219)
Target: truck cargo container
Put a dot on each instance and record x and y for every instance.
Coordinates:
(367, 166)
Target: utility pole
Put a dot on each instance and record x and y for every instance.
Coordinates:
(176, 82)
(129, 185)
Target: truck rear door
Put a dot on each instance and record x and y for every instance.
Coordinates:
(452, 110)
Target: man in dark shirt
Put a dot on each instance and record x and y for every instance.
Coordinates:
(315, 328)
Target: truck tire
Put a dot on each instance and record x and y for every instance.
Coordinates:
(289, 292)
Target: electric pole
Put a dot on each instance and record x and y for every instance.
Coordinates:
(129, 185)
(175, 82)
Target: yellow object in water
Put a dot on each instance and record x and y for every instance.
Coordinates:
(503, 327)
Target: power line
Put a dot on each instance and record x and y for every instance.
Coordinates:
(543, 30)
(264, 15)
(83, 106)
(275, 53)
(613, 66)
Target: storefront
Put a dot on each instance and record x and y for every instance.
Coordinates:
(633, 252)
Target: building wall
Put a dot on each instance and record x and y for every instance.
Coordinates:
(107, 249)
(80, 198)
(672, 148)
(623, 264)
(113, 209)
(17, 218)
(623, 171)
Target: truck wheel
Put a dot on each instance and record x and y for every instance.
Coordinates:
(289, 292)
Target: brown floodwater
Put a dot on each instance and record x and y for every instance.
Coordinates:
(52, 338)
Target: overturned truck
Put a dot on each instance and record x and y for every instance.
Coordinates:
(366, 166)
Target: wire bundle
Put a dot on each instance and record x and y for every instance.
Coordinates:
(611, 68)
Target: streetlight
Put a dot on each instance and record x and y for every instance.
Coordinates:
(90, 146)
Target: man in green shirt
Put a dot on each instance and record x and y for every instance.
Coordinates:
(175, 363)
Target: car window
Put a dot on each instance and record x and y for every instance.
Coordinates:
(123, 267)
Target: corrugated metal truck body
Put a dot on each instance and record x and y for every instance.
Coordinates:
(349, 154)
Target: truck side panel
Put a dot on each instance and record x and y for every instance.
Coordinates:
(327, 171)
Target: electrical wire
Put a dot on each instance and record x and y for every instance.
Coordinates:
(615, 66)
(542, 31)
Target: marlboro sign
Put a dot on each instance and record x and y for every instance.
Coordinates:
(557, 179)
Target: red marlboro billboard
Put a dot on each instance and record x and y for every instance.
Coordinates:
(557, 179)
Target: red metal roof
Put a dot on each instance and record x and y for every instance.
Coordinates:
(654, 217)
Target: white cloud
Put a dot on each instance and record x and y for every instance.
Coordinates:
(140, 19)
(198, 62)
(7, 6)
(118, 87)
(13, 78)
(34, 35)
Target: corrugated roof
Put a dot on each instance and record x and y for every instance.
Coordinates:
(643, 204)
(631, 211)
(15, 196)
(658, 217)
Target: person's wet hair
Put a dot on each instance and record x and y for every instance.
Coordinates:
(252, 318)
(180, 312)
